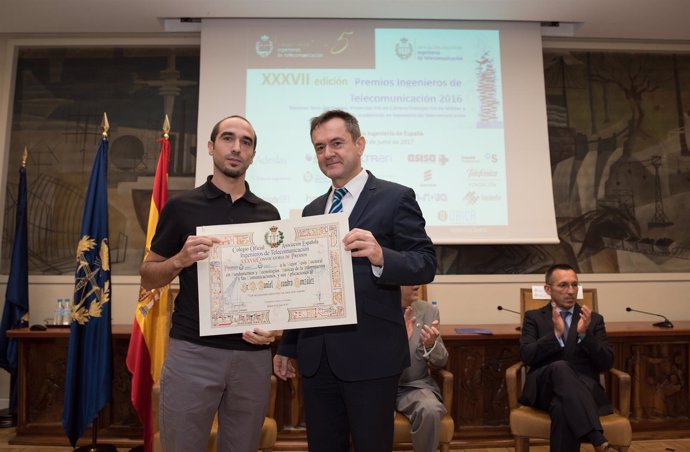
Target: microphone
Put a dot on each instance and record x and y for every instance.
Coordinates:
(666, 323)
(501, 308)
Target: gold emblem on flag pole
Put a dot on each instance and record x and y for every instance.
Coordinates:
(105, 125)
(166, 127)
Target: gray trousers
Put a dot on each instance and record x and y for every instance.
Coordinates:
(424, 410)
(197, 381)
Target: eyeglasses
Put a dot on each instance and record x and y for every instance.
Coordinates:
(566, 286)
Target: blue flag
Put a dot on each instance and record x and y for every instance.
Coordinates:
(16, 311)
(89, 357)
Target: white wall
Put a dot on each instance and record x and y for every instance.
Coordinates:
(45, 290)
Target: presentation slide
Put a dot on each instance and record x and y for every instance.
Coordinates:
(433, 103)
(429, 106)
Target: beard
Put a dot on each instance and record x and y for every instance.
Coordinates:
(231, 172)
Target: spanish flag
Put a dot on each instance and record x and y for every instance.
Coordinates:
(148, 343)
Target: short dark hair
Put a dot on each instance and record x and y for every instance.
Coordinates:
(216, 128)
(553, 268)
(351, 122)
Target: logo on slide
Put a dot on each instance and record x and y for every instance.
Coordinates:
(471, 198)
(264, 46)
(404, 49)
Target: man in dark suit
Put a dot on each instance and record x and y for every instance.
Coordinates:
(350, 373)
(565, 346)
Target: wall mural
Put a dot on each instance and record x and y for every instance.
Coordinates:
(620, 164)
(620, 157)
(59, 99)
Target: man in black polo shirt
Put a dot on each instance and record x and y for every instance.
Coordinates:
(227, 373)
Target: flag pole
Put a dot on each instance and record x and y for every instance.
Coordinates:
(95, 447)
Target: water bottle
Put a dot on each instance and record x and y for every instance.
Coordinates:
(57, 317)
(66, 312)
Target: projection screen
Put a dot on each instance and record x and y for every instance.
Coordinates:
(455, 110)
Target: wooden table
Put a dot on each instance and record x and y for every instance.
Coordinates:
(657, 359)
(42, 367)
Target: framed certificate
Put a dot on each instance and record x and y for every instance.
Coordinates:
(276, 275)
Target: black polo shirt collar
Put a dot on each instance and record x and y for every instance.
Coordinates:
(211, 191)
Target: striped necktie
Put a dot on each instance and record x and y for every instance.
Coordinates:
(337, 204)
(565, 315)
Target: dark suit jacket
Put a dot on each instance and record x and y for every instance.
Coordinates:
(376, 346)
(539, 347)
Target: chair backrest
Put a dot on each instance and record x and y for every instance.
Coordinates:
(423, 292)
(527, 303)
